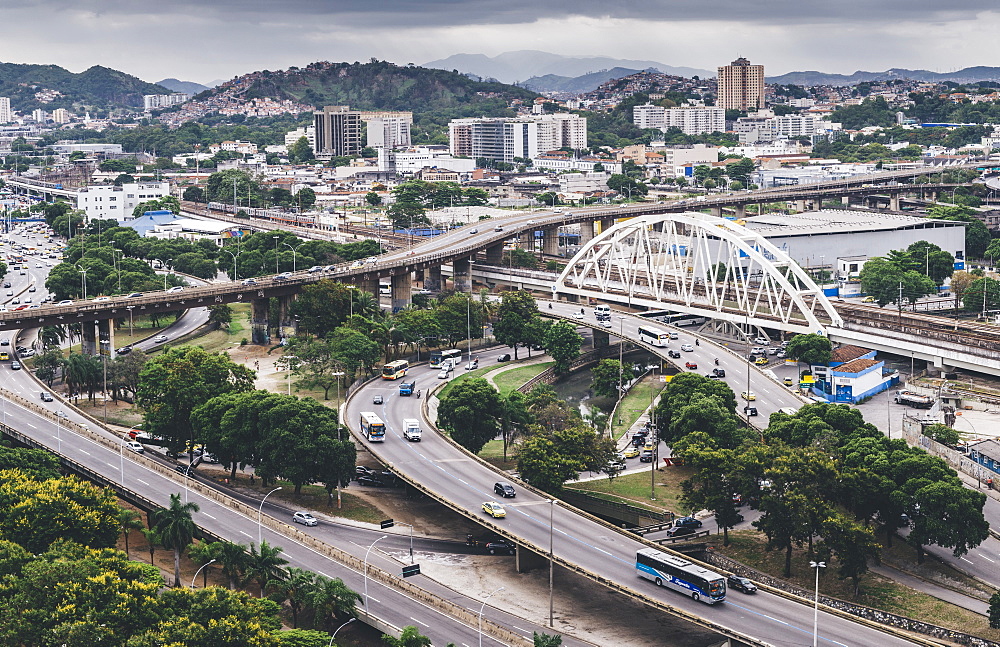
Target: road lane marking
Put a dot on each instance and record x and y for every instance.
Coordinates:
(144, 483)
(205, 514)
(417, 621)
(31, 425)
(987, 559)
(246, 533)
(84, 451)
(521, 629)
(323, 574)
(965, 560)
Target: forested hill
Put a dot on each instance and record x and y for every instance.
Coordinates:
(377, 85)
(49, 87)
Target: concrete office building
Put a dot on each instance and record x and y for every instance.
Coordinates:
(118, 202)
(61, 116)
(154, 101)
(6, 115)
(692, 120)
(503, 138)
(309, 132)
(741, 86)
(388, 129)
(338, 132)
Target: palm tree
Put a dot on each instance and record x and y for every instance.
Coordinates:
(296, 588)
(202, 553)
(152, 541)
(233, 559)
(332, 600)
(366, 305)
(265, 564)
(176, 529)
(128, 520)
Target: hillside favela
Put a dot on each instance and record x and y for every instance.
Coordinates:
(446, 324)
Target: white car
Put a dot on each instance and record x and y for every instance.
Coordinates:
(159, 339)
(578, 315)
(443, 374)
(136, 447)
(176, 288)
(687, 347)
(606, 323)
(305, 519)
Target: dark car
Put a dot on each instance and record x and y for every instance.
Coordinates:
(687, 522)
(184, 469)
(124, 350)
(741, 584)
(750, 411)
(501, 546)
(505, 490)
(504, 358)
(719, 372)
(646, 456)
(372, 481)
(680, 531)
(673, 353)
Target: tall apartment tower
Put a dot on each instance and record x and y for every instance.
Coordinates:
(6, 116)
(741, 86)
(338, 132)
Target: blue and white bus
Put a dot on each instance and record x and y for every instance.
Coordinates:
(439, 357)
(372, 427)
(681, 575)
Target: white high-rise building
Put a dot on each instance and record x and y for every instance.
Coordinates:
(108, 201)
(39, 115)
(61, 116)
(504, 138)
(692, 120)
(741, 86)
(386, 129)
(153, 101)
(309, 132)
(6, 115)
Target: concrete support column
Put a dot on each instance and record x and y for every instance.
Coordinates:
(89, 344)
(401, 288)
(494, 255)
(528, 560)
(800, 205)
(740, 210)
(258, 321)
(601, 339)
(586, 232)
(607, 224)
(526, 241)
(106, 335)
(894, 201)
(432, 278)
(286, 323)
(716, 211)
(418, 277)
(550, 242)
(462, 274)
(845, 200)
(368, 285)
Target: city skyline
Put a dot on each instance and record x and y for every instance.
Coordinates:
(153, 41)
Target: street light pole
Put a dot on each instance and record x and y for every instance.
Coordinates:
(483, 608)
(260, 513)
(236, 276)
(293, 252)
(193, 579)
(275, 253)
(552, 506)
(817, 566)
(366, 569)
(338, 629)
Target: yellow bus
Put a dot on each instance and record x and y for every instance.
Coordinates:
(395, 370)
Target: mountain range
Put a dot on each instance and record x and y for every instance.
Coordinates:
(96, 87)
(511, 67)
(551, 83)
(966, 75)
(188, 87)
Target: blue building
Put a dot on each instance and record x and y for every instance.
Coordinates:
(852, 375)
(987, 454)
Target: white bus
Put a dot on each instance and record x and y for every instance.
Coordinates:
(653, 336)
(372, 427)
(681, 575)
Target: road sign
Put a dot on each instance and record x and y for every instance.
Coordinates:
(388, 523)
(411, 570)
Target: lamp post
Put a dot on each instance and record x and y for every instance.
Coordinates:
(235, 267)
(621, 376)
(58, 429)
(483, 608)
(83, 282)
(338, 629)
(366, 569)
(114, 257)
(275, 253)
(129, 308)
(193, 579)
(293, 252)
(121, 459)
(260, 513)
(817, 566)
(187, 473)
(105, 352)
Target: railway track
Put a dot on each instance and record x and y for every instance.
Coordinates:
(972, 334)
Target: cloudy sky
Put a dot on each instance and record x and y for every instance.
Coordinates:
(212, 39)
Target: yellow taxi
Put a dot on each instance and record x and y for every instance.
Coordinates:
(748, 395)
(631, 452)
(4, 357)
(788, 381)
(494, 509)
(869, 300)
(761, 361)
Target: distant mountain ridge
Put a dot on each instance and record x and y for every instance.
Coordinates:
(188, 87)
(522, 65)
(575, 84)
(966, 75)
(97, 87)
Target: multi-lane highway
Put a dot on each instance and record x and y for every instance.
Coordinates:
(464, 483)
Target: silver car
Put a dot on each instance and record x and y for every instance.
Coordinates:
(305, 519)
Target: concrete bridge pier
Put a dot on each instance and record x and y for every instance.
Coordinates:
(740, 210)
(716, 211)
(401, 291)
(106, 336)
(528, 560)
(800, 206)
(287, 326)
(418, 277)
(494, 254)
(88, 346)
(606, 224)
(369, 285)
(601, 339)
(432, 278)
(526, 241)
(550, 241)
(462, 274)
(845, 200)
(258, 321)
(586, 232)
(894, 201)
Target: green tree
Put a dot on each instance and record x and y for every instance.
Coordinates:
(935, 508)
(942, 434)
(889, 282)
(305, 198)
(544, 639)
(740, 171)
(931, 260)
(517, 310)
(178, 381)
(300, 152)
(373, 199)
(194, 194)
(296, 587)
(981, 295)
(469, 413)
(322, 306)
(175, 528)
(548, 458)
(995, 610)
(333, 602)
(409, 637)
(854, 546)
(204, 553)
(128, 520)
(233, 561)
(977, 236)
(563, 343)
(264, 564)
(810, 349)
(221, 315)
(608, 375)
(710, 487)
(682, 391)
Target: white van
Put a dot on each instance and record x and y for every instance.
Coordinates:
(411, 429)
(602, 311)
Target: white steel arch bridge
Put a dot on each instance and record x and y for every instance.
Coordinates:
(697, 264)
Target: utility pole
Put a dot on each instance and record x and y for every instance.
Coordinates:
(899, 303)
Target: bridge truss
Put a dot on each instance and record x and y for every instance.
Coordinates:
(697, 264)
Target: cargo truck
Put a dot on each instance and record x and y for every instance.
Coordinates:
(411, 429)
(914, 400)
(406, 388)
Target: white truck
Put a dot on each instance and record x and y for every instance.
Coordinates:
(915, 400)
(411, 429)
